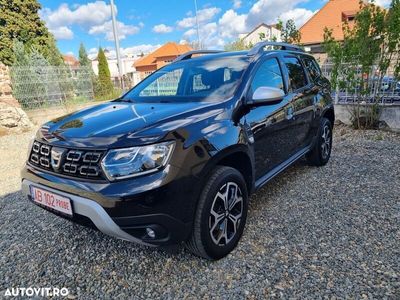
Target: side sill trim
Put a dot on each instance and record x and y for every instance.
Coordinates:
(92, 210)
(281, 167)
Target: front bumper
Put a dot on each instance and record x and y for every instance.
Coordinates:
(126, 209)
(90, 209)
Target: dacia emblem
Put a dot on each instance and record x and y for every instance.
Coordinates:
(57, 157)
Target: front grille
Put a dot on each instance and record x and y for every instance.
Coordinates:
(70, 162)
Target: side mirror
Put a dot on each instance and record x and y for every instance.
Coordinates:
(267, 95)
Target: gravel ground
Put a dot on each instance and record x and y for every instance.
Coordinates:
(329, 232)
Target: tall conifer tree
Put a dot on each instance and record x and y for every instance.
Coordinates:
(19, 19)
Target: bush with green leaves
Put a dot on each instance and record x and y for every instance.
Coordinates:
(361, 61)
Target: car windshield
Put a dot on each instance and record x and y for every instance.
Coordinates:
(194, 80)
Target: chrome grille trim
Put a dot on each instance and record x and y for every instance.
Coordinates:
(35, 158)
(74, 155)
(44, 161)
(66, 161)
(89, 170)
(45, 150)
(70, 168)
(36, 147)
(91, 157)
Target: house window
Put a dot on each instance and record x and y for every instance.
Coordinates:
(348, 17)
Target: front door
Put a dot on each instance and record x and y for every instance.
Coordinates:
(270, 123)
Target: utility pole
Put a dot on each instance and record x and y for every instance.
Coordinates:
(116, 40)
(197, 23)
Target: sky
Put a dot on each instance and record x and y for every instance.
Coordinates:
(144, 25)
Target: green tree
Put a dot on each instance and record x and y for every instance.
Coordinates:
(363, 58)
(85, 71)
(21, 57)
(19, 19)
(237, 45)
(29, 76)
(105, 85)
(289, 32)
(83, 57)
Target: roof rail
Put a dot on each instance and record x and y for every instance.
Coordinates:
(259, 47)
(189, 54)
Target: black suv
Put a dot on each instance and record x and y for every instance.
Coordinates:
(175, 159)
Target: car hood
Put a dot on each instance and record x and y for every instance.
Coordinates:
(119, 124)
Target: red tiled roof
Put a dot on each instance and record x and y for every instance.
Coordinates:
(329, 16)
(70, 60)
(169, 49)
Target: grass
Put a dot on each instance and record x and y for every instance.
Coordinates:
(116, 93)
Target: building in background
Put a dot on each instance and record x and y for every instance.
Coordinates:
(159, 58)
(332, 16)
(71, 61)
(131, 77)
(262, 32)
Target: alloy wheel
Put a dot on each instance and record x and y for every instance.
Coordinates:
(226, 213)
(326, 142)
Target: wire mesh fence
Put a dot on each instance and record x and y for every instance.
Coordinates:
(369, 89)
(41, 87)
(51, 86)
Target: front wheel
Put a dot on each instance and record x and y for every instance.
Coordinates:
(320, 154)
(221, 214)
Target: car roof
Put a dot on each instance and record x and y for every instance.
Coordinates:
(244, 54)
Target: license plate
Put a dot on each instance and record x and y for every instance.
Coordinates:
(48, 199)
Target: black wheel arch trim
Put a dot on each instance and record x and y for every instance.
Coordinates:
(230, 151)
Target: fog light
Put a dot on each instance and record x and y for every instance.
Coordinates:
(150, 232)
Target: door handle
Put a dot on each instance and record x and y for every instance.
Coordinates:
(290, 113)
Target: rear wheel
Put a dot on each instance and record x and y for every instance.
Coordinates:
(320, 154)
(221, 214)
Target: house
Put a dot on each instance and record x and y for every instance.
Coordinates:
(159, 58)
(128, 70)
(262, 32)
(71, 61)
(332, 16)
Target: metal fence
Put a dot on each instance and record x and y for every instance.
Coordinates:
(49, 86)
(386, 91)
(41, 87)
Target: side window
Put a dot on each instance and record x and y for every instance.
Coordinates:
(297, 78)
(312, 67)
(268, 74)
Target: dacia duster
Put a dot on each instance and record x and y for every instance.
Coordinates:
(176, 158)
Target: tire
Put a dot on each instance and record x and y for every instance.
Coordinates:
(321, 152)
(214, 233)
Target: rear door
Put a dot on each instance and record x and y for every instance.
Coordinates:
(301, 94)
(320, 88)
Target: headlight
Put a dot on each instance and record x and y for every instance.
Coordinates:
(135, 161)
